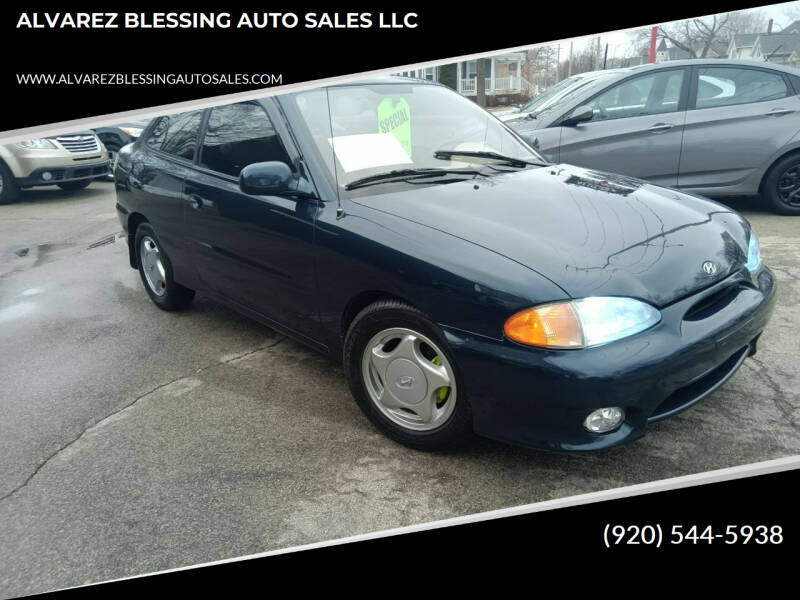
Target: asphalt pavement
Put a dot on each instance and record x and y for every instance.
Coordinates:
(134, 440)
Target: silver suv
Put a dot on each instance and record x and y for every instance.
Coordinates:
(69, 161)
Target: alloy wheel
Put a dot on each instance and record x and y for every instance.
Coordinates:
(152, 266)
(789, 186)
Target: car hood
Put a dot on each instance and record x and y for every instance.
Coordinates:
(512, 116)
(87, 132)
(591, 233)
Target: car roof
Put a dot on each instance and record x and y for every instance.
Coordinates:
(713, 62)
(598, 72)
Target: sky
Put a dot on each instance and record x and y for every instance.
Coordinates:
(619, 42)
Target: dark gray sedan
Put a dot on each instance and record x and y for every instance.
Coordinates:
(712, 127)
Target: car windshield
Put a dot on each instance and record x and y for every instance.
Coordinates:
(549, 93)
(558, 104)
(362, 131)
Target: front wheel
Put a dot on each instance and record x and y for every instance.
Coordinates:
(156, 272)
(404, 377)
(9, 190)
(781, 189)
(74, 186)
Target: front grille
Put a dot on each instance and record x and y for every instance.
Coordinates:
(78, 143)
(712, 303)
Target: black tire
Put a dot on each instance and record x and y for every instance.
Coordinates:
(9, 190)
(388, 314)
(172, 296)
(783, 179)
(74, 186)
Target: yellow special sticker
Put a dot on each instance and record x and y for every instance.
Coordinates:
(394, 116)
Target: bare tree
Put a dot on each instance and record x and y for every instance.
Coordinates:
(792, 12)
(747, 21)
(540, 66)
(696, 36)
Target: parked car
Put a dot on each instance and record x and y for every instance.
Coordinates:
(115, 137)
(465, 284)
(712, 127)
(69, 161)
(555, 93)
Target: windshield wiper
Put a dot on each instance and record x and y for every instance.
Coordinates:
(401, 174)
(509, 160)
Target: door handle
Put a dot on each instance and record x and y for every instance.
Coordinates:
(195, 201)
(660, 127)
(775, 112)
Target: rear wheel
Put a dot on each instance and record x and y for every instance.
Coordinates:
(156, 272)
(781, 189)
(404, 377)
(9, 190)
(74, 186)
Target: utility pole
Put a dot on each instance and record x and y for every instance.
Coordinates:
(558, 63)
(605, 57)
(480, 83)
(596, 55)
(569, 63)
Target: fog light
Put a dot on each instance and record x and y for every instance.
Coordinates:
(604, 420)
(47, 175)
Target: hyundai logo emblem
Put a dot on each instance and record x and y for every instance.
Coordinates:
(406, 381)
(709, 268)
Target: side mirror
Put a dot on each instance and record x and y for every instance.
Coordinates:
(531, 140)
(267, 178)
(579, 115)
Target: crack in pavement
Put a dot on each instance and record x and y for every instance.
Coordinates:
(99, 422)
(784, 405)
(785, 272)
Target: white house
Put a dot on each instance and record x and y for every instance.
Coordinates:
(503, 76)
(741, 45)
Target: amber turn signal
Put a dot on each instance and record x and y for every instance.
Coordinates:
(547, 326)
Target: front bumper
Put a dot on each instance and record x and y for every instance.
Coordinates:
(61, 174)
(540, 398)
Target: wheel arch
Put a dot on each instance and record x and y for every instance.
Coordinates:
(362, 300)
(768, 171)
(134, 220)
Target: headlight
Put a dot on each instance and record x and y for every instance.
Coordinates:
(753, 253)
(132, 131)
(581, 323)
(37, 144)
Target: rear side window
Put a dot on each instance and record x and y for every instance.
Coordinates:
(238, 135)
(726, 86)
(176, 134)
(795, 83)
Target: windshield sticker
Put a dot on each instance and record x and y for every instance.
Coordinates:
(394, 116)
(368, 150)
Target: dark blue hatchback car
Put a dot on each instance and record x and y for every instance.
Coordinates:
(466, 284)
